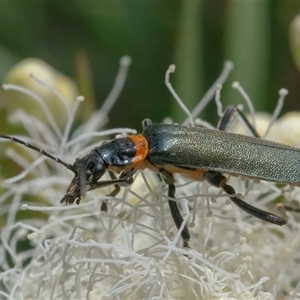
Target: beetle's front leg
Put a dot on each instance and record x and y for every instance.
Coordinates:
(174, 209)
(218, 180)
(125, 179)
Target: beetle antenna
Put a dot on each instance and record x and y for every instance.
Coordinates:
(28, 145)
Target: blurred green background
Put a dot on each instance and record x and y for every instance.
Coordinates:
(196, 36)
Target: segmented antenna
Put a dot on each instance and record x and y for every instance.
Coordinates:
(28, 145)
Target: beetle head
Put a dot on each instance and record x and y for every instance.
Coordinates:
(88, 170)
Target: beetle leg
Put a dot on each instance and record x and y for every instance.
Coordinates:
(218, 180)
(113, 193)
(290, 208)
(229, 112)
(125, 179)
(226, 118)
(146, 123)
(174, 209)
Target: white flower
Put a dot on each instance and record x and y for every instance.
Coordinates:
(134, 250)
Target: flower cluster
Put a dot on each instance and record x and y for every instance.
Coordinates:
(134, 251)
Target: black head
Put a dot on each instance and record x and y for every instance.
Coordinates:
(89, 169)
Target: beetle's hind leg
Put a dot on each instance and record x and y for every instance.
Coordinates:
(229, 113)
(219, 180)
(174, 209)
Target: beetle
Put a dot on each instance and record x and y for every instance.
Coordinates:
(194, 152)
